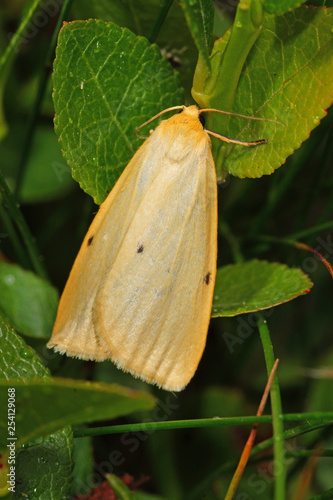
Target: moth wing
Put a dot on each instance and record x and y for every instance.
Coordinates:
(153, 309)
(74, 331)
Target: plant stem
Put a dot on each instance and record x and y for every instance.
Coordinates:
(324, 418)
(280, 471)
(200, 489)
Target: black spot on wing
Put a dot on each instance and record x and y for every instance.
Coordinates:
(89, 242)
(207, 278)
(140, 248)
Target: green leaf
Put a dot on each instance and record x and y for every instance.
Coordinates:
(273, 7)
(288, 77)
(211, 87)
(28, 302)
(45, 466)
(50, 404)
(200, 20)
(17, 359)
(256, 285)
(107, 82)
(174, 37)
(47, 456)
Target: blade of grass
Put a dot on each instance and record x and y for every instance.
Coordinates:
(12, 49)
(160, 20)
(324, 418)
(201, 488)
(15, 213)
(249, 443)
(280, 470)
(14, 44)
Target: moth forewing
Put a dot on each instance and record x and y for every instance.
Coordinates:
(157, 302)
(141, 288)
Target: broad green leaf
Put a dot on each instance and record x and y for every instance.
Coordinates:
(50, 404)
(282, 6)
(47, 456)
(255, 285)
(288, 76)
(107, 82)
(210, 85)
(17, 359)
(28, 302)
(174, 38)
(45, 466)
(200, 20)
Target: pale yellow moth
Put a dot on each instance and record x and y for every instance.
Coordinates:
(141, 288)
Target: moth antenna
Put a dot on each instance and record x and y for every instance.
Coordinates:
(154, 118)
(235, 141)
(241, 116)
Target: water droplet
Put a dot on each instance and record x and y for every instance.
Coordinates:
(10, 279)
(238, 24)
(81, 86)
(97, 48)
(316, 120)
(70, 121)
(71, 74)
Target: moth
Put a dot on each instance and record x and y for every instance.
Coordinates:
(140, 291)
